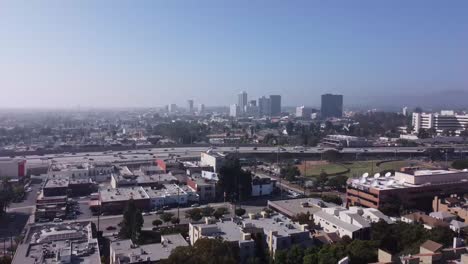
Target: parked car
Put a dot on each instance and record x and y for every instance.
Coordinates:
(109, 228)
(57, 220)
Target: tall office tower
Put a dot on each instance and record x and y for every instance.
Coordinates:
(304, 112)
(201, 108)
(190, 105)
(252, 108)
(275, 101)
(264, 106)
(234, 110)
(172, 108)
(242, 101)
(252, 103)
(332, 105)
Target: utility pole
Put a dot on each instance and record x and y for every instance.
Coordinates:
(178, 203)
(279, 172)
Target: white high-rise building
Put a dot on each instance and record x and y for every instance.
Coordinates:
(234, 110)
(404, 111)
(201, 108)
(303, 112)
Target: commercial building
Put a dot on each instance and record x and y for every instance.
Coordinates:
(242, 101)
(127, 178)
(264, 106)
(115, 200)
(445, 120)
(234, 110)
(304, 112)
(59, 186)
(345, 141)
(212, 159)
(58, 244)
(170, 195)
(206, 189)
(413, 188)
(190, 106)
(98, 172)
(275, 105)
(50, 207)
(354, 222)
(262, 186)
(12, 168)
(277, 231)
(125, 252)
(172, 108)
(427, 221)
(201, 108)
(332, 105)
(293, 207)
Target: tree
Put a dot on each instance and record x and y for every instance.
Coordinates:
(321, 180)
(207, 211)
(423, 133)
(361, 251)
(194, 214)
(434, 153)
(240, 212)
(304, 219)
(166, 217)
(332, 199)
(331, 155)
(157, 222)
(460, 164)
(338, 182)
(295, 255)
(290, 172)
(205, 250)
(175, 220)
(220, 212)
(233, 180)
(132, 222)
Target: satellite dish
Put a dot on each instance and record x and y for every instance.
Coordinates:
(365, 175)
(375, 184)
(388, 174)
(363, 180)
(390, 182)
(377, 175)
(465, 170)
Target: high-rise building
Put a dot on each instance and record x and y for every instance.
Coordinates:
(304, 112)
(252, 103)
(201, 108)
(332, 105)
(275, 105)
(264, 106)
(172, 108)
(190, 105)
(404, 111)
(242, 101)
(252, 108)
(234, 110)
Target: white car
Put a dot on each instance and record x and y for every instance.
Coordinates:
(57, 220)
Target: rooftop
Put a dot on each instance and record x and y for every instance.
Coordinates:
(126, 252)
(58, 243)
(123, 194)
(57, 182)
(414, 178)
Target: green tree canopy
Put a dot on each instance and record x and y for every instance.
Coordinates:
(132, 222)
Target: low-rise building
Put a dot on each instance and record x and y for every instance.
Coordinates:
(115, 200)
(12, 168)
(50, 207)
(213, 159)
(454, 204)
(125, 252)
(263, 186)
(277, 231)
(427, 221)
(345, 141)
(353, 222)
(58, 244)
(205, 189)
(293, 207)
(169, 195)
(413, 188)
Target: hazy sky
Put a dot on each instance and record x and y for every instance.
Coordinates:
(148, 53)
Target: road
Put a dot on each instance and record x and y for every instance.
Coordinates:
(150, 154)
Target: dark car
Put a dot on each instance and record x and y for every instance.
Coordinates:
(109, 228)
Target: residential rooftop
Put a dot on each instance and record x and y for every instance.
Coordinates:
(123, 194)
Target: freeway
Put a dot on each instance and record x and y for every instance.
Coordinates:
(192, 152)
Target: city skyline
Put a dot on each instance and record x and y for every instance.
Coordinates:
(64, 55)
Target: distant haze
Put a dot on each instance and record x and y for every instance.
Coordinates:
(115, 53)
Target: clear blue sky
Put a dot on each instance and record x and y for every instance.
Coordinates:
(149, 53)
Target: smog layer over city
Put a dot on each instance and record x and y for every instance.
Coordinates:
(266, 132)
